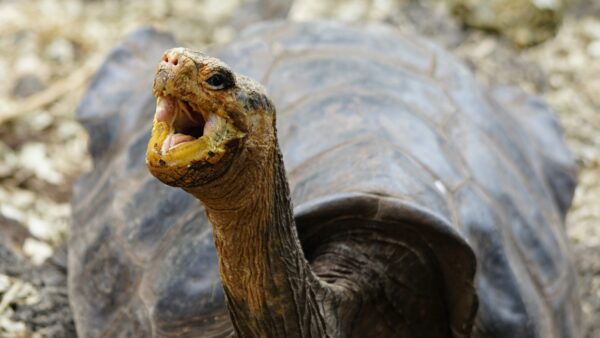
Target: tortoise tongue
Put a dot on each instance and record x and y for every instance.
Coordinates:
(180, 138)
(174, 139)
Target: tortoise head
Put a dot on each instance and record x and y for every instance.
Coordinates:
(206, 115)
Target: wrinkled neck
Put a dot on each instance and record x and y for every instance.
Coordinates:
(271, 291)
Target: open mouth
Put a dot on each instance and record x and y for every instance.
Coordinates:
(186, 124)
(183, 134)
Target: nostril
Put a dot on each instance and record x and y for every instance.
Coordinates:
(172, 59)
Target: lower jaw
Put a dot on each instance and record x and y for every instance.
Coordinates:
(192, 174)
(166, 148)
(193, 161)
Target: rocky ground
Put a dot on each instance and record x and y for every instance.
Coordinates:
(50, 48)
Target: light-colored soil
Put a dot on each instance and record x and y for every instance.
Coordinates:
(50, 48)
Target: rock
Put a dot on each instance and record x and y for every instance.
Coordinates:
(35, 157)
(27, 85)
(13, 237)
(61, 50)
(524, 22)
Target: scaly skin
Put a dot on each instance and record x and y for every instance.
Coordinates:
(235, 170)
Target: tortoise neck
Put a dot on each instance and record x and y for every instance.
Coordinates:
(271, 290)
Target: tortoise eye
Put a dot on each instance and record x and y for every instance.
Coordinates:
(217, 81)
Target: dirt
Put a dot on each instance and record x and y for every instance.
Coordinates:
(50, 48)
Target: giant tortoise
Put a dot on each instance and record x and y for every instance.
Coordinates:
(425, 204)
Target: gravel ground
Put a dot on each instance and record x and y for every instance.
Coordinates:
(50, 48)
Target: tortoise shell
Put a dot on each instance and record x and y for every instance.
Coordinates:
(374, 126)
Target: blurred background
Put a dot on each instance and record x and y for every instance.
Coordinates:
(49, 49)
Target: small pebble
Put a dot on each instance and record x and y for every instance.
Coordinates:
(61, 50)
(593, 49)
(36, 250)
(27, 85)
